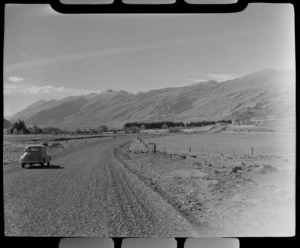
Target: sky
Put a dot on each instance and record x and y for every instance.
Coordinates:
(48, 55)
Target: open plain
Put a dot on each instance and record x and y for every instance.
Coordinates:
(117, 186)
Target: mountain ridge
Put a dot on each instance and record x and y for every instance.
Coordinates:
(257, 96)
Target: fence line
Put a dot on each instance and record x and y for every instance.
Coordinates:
(252, 151)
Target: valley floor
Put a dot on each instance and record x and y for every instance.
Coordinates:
(218, 191)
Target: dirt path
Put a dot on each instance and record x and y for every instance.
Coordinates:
(86, 192)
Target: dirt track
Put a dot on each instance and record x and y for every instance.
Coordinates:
(86, 192)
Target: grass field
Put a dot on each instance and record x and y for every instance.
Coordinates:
(262, 143)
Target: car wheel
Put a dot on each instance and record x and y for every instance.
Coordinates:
(48, 163)
(23, 165)
(42, 164)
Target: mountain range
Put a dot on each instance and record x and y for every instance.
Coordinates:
(258, 97)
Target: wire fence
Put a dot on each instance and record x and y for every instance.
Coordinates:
(180, 146)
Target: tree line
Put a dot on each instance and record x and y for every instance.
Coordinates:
(153, 125)
(206, 123)
(169, 124)
(19, 127)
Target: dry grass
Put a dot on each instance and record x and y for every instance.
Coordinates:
(232, 192)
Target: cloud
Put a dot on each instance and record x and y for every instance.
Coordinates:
(13, 89)
(15, 79)
(42, 89)
(8, 89)
(221, 77)
(27, 64)
(196, 80)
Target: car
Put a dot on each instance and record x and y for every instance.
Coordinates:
(35, 154)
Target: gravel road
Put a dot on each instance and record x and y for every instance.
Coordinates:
(86, 192)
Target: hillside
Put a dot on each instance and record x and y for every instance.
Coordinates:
(6, 124)
(263, 96)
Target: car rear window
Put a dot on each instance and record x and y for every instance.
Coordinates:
(33, 149)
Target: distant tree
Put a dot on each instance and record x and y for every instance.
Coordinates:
(66, 131)
(92, 130)
(11, 130)
(35, 129)
(127, 129)
(174, 129)
(78, 130)
(164, 126)
(16, 131)
(24, 131)
(20, 127)
(132, 129)
(113, 130)
(103, 128)
(135, 129)
(142, 127)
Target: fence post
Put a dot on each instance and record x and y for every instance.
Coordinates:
(154, 147)
(252, 150)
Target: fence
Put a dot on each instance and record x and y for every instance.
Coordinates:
(151, 144)
(180, 146)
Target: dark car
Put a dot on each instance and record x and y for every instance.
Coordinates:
(35, 154)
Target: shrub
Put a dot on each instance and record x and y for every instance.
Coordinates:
(103, 128)
(236, 169)
(135, 129)
(174, 129)
(93, 130)
(11, 130)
